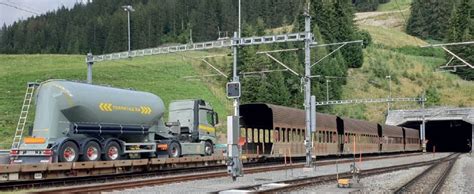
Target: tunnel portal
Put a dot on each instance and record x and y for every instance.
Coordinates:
(446, 135)
(447, 129)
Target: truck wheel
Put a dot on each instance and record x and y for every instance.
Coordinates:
(208, 148)
(91, 152)
(174, 150)
(68, 152)
(112, 151)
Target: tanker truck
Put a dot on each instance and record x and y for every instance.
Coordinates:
(83, 122)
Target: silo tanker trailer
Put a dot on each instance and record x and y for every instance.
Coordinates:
(84, 122)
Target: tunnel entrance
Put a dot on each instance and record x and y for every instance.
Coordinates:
(446, 135)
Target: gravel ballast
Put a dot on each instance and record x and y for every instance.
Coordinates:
(461, 177)
(384, 183)
(217, 184)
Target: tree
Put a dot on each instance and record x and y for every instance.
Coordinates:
(99, 26)
(432, 97)
(366, 5)
(462, 29)
(429, 19)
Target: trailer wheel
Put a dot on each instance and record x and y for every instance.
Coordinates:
(91, 152)
(174, 150)
(68, 152)
(208, 148)
(112, 151)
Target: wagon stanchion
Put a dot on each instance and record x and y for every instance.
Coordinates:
(360, 153)
(286, 169)
(291, 161)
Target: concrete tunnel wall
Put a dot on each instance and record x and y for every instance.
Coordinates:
(446, 135)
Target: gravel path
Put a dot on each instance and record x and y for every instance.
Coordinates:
(216, 184)
(386, 19)
(365, 15)
(461, 178)
(384, 183)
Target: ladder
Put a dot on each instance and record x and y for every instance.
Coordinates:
(20, 127)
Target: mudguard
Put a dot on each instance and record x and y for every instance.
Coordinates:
(57, 144)
(163, 153)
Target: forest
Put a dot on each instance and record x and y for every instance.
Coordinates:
(101, 27)
(454, 23)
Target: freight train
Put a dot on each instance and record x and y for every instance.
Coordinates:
(275, 131)
(83, 122)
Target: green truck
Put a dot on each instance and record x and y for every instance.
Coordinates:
(83, 122)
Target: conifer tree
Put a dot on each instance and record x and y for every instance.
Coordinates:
(429, 19)
(461, 30)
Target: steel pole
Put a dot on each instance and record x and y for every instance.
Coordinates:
(389, 77)
(89, 62)
(89, 73)
(233, 133)
(327, 90)
(128, 15)
(235, 77)
(390, 88)
(307, 89)
(423, 138)
(240, 20)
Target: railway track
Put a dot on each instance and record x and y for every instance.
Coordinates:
(295, 184)
(156, 178)
(432, 179)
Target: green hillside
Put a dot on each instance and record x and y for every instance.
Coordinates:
(413, 70)
(161, 75)
(392, 52)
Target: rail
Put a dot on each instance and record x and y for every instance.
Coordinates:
(115, 181)
(292, 185)
(431, 179)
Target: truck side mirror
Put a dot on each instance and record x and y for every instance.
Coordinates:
(216, 118)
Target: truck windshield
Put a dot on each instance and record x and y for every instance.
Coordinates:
(206, 117)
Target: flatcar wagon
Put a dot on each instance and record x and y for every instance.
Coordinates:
(272, 130)
(392, 138)
(276, 131)
(327, 140)
(364, 135)
(412, 139)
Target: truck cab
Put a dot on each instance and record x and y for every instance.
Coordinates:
(196, 117)
(192, 123)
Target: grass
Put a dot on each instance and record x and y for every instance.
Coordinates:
(410, 76)
(161, 75)
(395, 5)
(392, 19)
(413, 70)
(393, 52)
(390, 37)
